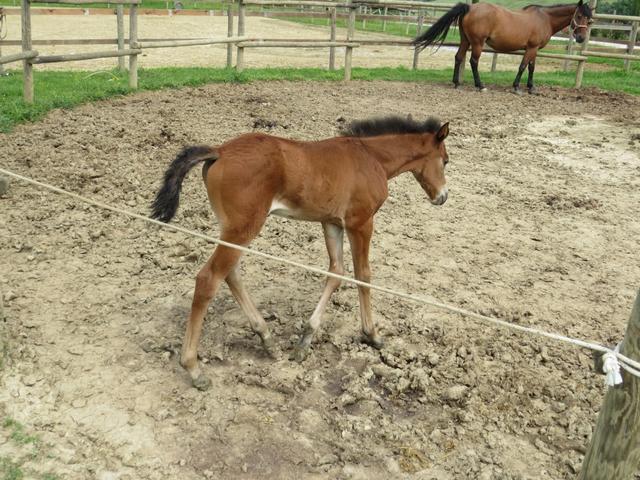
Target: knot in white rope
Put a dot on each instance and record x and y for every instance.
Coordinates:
(611, 368)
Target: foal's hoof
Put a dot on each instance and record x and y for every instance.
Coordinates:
(271, 348)
(201, 382)
(376, 342)
(300, 354)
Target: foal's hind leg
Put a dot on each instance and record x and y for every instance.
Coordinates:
(208, 281)
(460, 56)
(333, 236)
(258, 324)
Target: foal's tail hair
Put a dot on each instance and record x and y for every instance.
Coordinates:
(165, 206)
(439, 30)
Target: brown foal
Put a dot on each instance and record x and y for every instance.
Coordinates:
(340, 182)
(506, 30)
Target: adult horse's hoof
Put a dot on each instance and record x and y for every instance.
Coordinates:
(517, 91)
(456, 86)
(482, 89)
(533, 91)
(300, 354)
(376, 342)
(201, 382)
(271, 348)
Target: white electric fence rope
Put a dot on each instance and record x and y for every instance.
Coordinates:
(614, 357)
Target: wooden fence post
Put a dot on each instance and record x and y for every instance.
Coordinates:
(351, 29)
(133, 44)
(416, 51)
(229, 34)
(384, 20)
(614, 452)
(120, 21)
(632, 43)
(332, 37)
(581, 63)
(239, 49)
(27, 66)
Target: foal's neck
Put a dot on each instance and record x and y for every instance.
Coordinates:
(397, 155)
(560, 16)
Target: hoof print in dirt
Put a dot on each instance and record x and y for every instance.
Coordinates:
(263, 123)
(271, 348)
(202, 383)
(375, 342)
(299, 354)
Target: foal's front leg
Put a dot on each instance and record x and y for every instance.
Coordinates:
(360, 238)
(333, 237)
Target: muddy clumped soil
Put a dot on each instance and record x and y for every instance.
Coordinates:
(540, 229)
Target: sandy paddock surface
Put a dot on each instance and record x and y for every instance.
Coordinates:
(540, 229)
(47, 27)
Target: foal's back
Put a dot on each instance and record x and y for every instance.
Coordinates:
(311, 180)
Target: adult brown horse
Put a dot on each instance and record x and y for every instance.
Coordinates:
(340, 182)
(505, 30)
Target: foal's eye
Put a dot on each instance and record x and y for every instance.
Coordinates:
(446, 160)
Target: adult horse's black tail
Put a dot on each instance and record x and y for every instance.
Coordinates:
(165, 205)
(439, 30)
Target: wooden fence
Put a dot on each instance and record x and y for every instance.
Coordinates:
(412, 11)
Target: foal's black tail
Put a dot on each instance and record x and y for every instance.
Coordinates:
(165, 206)
(439, 30)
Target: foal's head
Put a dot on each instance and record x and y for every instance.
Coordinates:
(421, 144)
(581, 20)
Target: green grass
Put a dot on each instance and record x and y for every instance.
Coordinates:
(10, 470)
(17, 433)
(54, 89)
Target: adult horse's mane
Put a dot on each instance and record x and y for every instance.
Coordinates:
(584, 8)
(390, 125)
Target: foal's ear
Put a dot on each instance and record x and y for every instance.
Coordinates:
(443, 132)
(580, 3)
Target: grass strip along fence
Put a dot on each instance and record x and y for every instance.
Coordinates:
(242, 39)
(58, 89)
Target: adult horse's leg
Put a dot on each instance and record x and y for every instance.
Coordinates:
(460, 56)
(360, 237)
(529, 55)
(333, 236)
(258, 325)
(532, 67)
(476, 51)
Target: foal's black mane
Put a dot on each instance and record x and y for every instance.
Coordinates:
(373, 127)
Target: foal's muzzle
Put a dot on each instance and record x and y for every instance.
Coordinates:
(441, 198)
(579, 38)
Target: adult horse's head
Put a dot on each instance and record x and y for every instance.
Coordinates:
(582, 18)
(429, 172)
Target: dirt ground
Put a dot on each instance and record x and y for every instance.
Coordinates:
(541, 228)
(47, 27)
